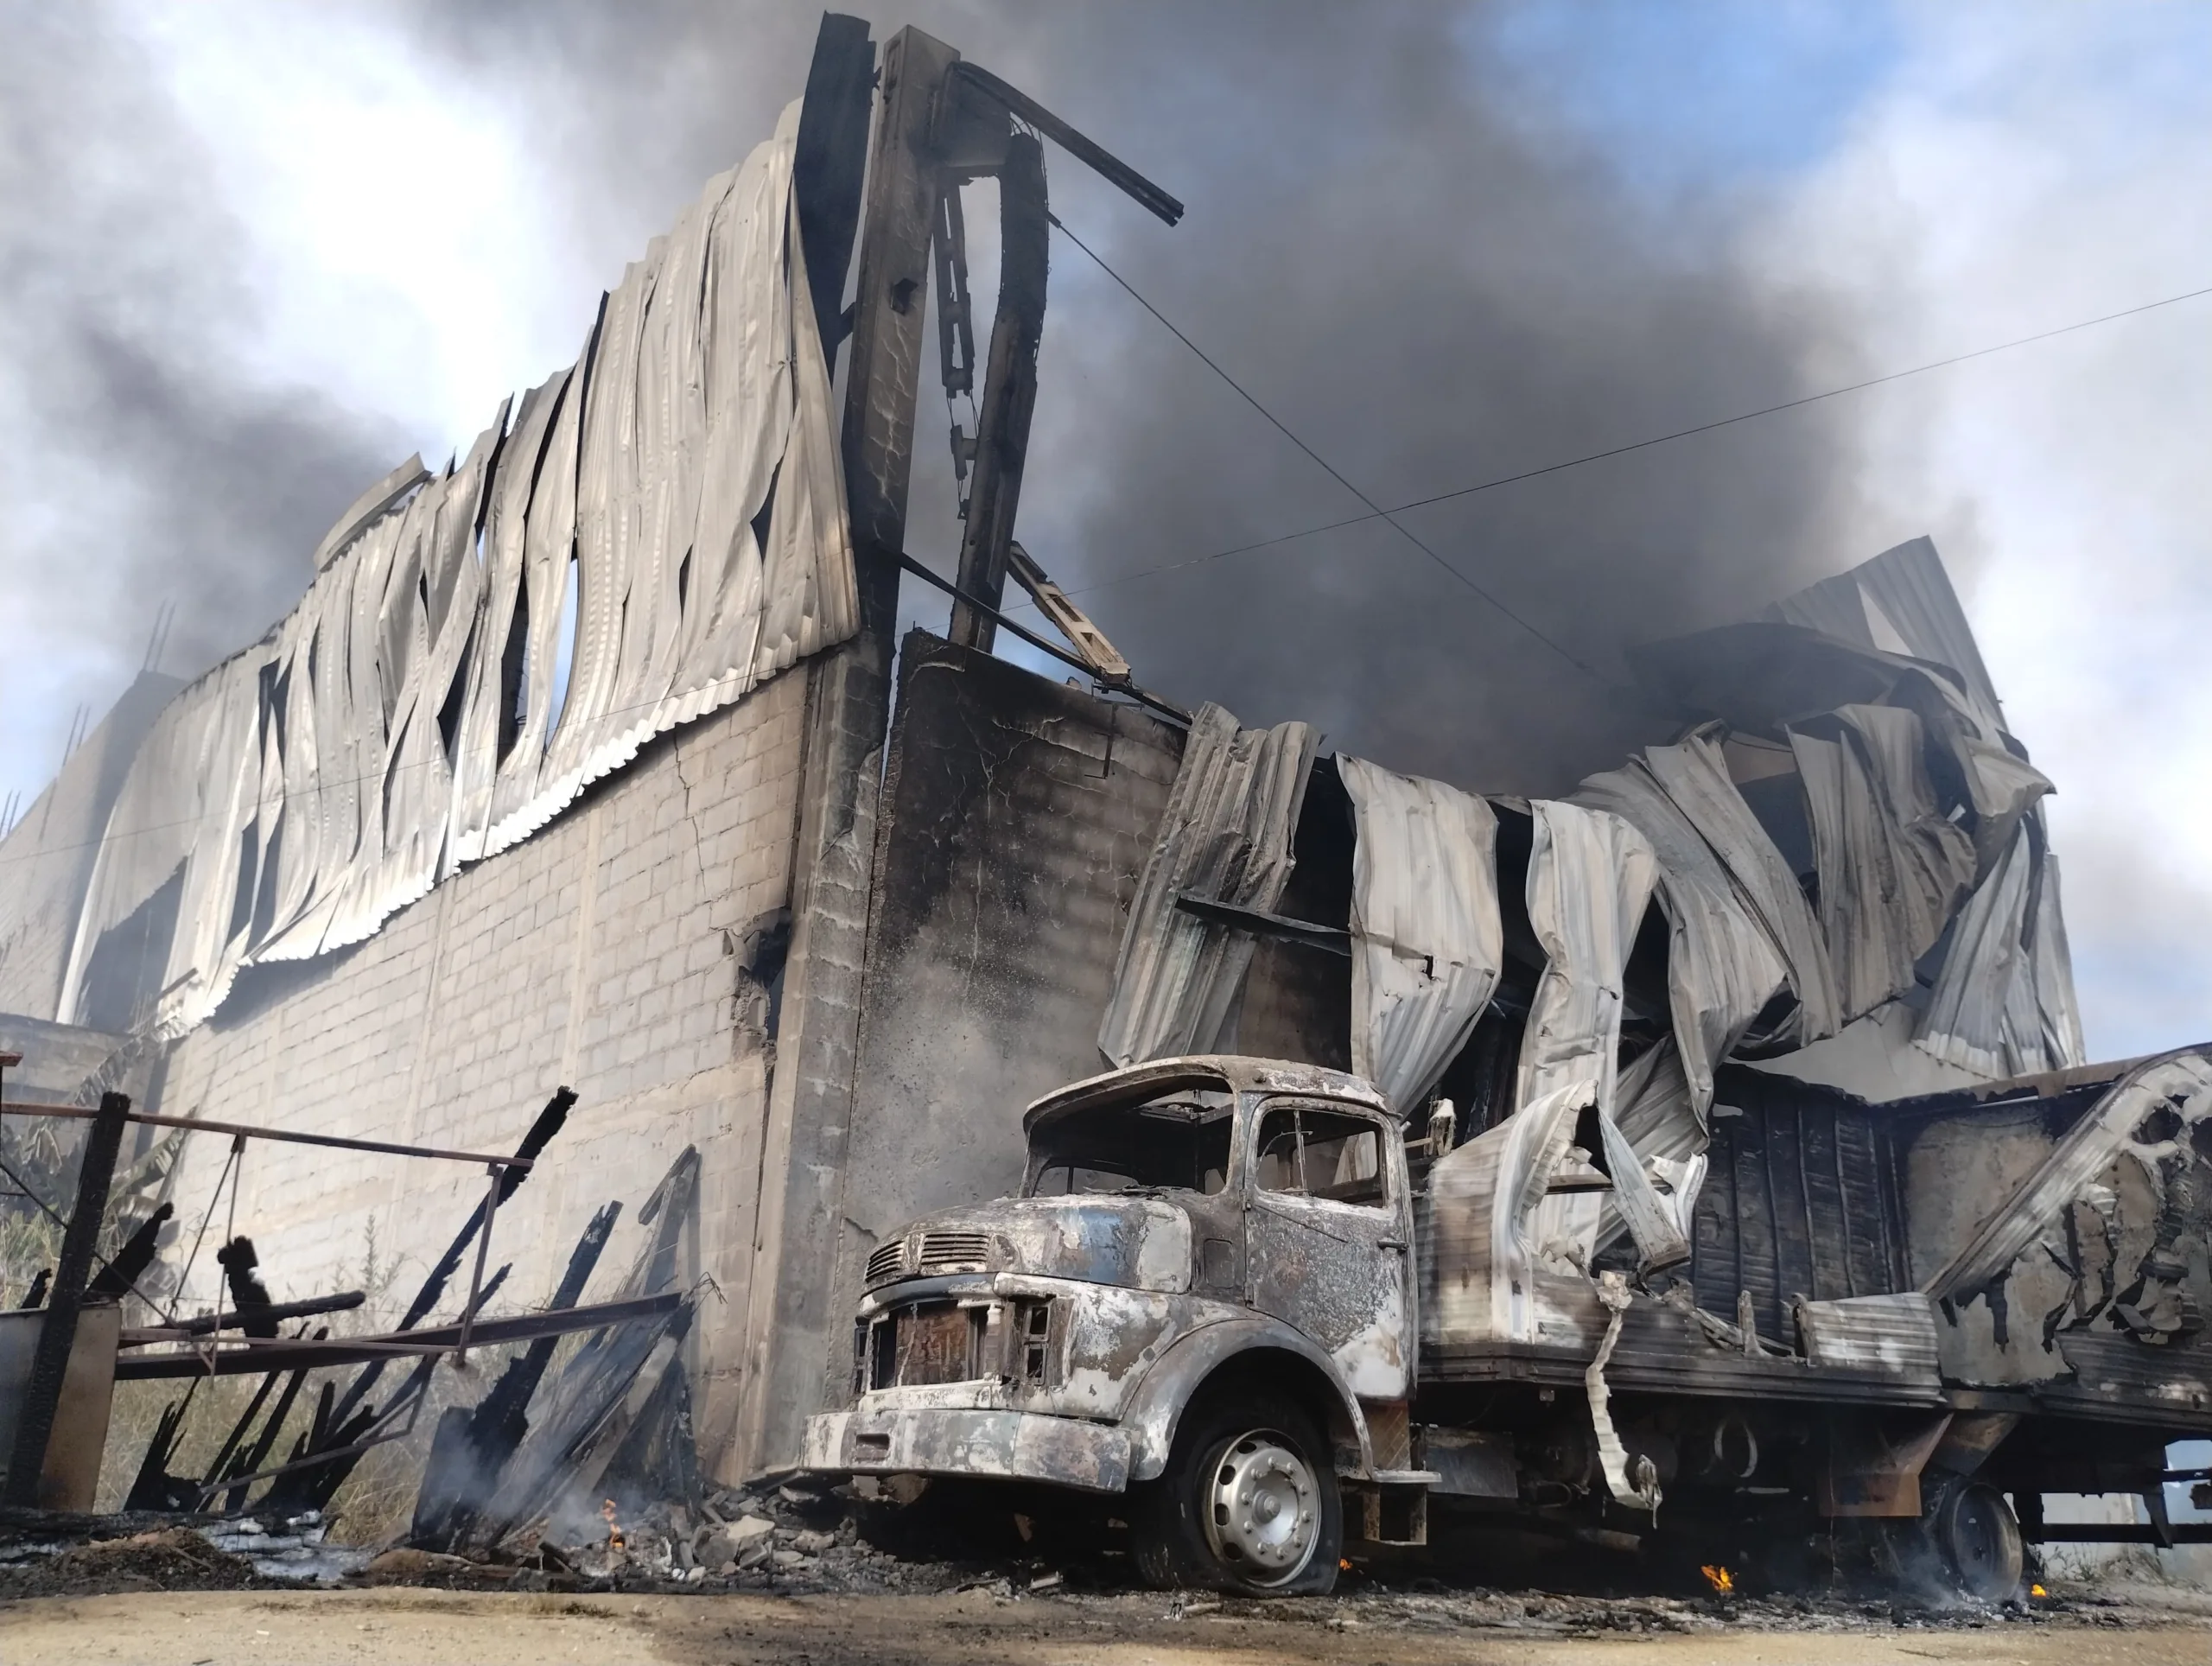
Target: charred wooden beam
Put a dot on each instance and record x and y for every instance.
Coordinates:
(830, 162)
(975, 80)
(122, 1274)
(284, 1354)
(471, 1447)
(229, 1318)
(549, 1124)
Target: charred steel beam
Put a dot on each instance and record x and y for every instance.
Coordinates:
(1092, 155)
(1009, 389)
(830, 162)
(1165, 708)
(284, 1354)
(57, 1332)
(288, 1136)
(1333, 939)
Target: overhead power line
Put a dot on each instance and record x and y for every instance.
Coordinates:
(1377, 512)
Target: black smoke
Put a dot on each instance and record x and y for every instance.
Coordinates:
(144, 462)
(1387, 241)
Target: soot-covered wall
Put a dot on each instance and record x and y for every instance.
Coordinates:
(1016, 814)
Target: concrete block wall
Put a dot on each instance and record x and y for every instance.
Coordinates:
(603, 953)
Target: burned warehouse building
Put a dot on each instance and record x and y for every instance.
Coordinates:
(1720, 1128)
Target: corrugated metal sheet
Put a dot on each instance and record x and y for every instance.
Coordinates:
(403, 719)
(1695, 775)
(1893, 1333)
(1983, 1015)
(1899, 603)
(2110, 1128)
(1492, 1276)
(1893, 868)
(1427, 939)
(1591, 877)
(1801, 1199)
(1722, 966)
(1225, 836)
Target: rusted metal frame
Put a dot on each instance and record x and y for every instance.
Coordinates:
(287, 1136)
(57, 1333)
(286, 1354)
(476, 1276)
(1086, 150)
(1009, 399)
(1166, 709)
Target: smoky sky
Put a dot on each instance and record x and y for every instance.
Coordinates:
(144, 465)
(1387, 241)
(1393, 251)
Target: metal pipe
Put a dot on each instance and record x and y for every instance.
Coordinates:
(287, 1136)
(476, 1276)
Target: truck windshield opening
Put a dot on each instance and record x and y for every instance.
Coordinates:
(1182, 1145)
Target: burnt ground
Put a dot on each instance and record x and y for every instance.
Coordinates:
(827, 1579)
(431, 1627)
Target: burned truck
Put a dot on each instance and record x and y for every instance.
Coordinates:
(1236, 1290)
(1719, 1133)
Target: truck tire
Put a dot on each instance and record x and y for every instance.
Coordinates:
(1249, 1504)
(1977, 1538)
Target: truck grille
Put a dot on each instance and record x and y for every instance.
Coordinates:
(954, 1252)
(935, 1344)
(887, 1262)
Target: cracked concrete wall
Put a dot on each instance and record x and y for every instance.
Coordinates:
(1016, 814)
(607, 953)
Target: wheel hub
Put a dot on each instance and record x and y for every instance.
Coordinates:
(1262, 1515)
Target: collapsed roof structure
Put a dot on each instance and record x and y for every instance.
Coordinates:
(577, 765)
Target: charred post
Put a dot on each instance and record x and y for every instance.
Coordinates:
(58, 1334)
(1009, 389)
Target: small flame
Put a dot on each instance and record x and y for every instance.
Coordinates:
(2037, 1591)
(614, 1540)
(1722, 1581)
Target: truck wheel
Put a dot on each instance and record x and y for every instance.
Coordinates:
(1248, 1503)
(1976, 1535)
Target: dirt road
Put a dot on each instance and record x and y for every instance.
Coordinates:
(435, 1628)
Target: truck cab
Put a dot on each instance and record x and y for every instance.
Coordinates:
(1203, 1295)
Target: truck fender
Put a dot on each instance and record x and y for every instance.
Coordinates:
(1156, 1405)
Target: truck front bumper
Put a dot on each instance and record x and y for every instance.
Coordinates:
(1009, 1445)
